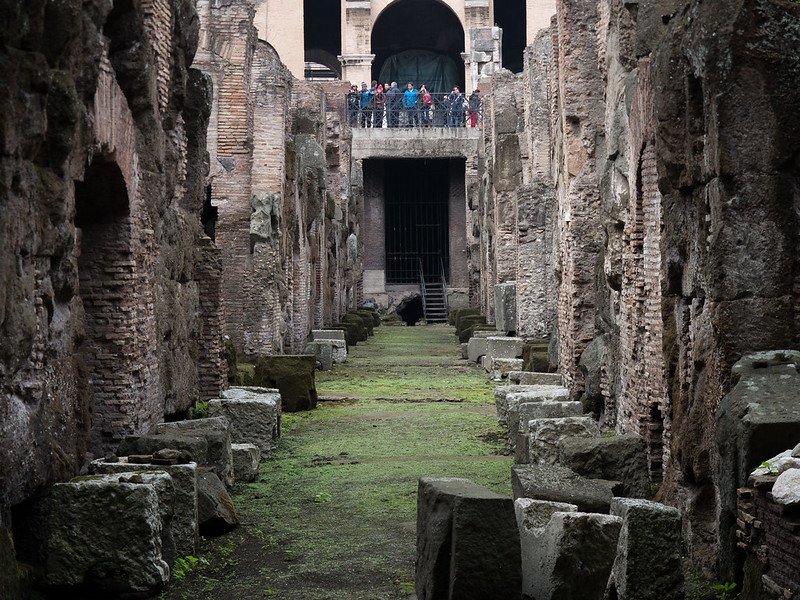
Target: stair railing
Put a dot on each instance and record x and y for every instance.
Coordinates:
(423, 289)
(444, 287)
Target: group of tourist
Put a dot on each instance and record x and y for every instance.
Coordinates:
(387, 106)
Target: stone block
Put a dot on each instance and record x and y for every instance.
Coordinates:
(534, 378)
(533, 411)
(505, 307)
(758, 419)
(545, 435)
(534, 394)
(532, 518)
(467, 542)
(323, 352)
(208, 442)
(182, 529)
(482, 40)
(505, 347)
(104, 532)
(327, 334)
(507, 395)
(501, 367)
(648, 563)
(293, 375)
(364, 320)
(555, 483)
(575, 557)
(253, 417)
(621, 458)
(476, 348)
(215, 509)
(246, 458)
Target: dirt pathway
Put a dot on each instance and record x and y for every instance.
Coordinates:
(332, 515)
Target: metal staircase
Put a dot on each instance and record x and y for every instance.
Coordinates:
(434, 295)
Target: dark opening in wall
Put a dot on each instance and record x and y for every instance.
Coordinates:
(511, 16)
(417, 195)
(322, 23)
(419, 41)
(107, 288)
(209, 216)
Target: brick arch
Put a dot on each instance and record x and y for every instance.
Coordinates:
(115, 243)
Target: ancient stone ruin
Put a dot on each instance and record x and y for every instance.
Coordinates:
(199, 217)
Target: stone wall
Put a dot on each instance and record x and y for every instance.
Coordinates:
(279, 179)
(106, 275)
(673, 156)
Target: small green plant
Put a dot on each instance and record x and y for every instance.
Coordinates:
(323, 498)
(724, 590)
(200, 410)
(185, 565)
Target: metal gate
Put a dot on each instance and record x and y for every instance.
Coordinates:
(417, 194)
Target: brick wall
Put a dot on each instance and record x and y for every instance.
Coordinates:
(768, 535)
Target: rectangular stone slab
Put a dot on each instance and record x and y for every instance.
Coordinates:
(505, 347)
(467, 542)
(184, 482)
(106, 519)
(533, 378)
(559, 484)
(254, 419)
(649, 553)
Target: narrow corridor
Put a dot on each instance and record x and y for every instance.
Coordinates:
(332, 515)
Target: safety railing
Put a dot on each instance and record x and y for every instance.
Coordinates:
(400, 111)
(444, 286)
(422, 288)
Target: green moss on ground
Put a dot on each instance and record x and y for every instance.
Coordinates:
(332, 515)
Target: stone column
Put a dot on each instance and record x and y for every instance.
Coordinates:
(356, 67)
(486, 54)
(356, 58)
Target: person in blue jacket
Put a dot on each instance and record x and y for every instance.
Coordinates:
(367, 105)
(411, 105)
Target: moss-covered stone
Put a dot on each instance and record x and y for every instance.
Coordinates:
(465, 322)
(293, 375)
(467, 333)
(463, 318)
(370, 314)
(353, 332)
(454, 314)
(535, 357)
(364, 320)
(245, 374)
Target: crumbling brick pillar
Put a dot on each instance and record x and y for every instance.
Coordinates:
(578, 141)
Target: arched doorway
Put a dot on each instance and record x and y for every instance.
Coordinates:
(106, 270)
(419, 41)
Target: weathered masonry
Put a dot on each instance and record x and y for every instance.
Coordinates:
(109, 287)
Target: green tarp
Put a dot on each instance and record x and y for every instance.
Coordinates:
(438, 72)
